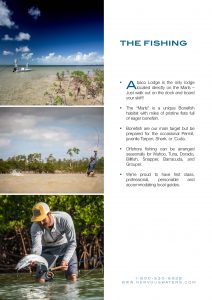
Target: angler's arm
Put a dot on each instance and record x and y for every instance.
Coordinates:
(95, 161)
(71, 239)
(36, 236)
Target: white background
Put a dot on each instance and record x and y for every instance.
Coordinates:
(158, 232)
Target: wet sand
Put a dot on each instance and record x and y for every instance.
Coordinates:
(29, 88)
(51, 183)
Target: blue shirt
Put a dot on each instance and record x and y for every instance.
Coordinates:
(92, 163)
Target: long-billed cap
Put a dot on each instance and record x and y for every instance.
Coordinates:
(39, 211)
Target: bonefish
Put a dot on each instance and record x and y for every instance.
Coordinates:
(31, 258)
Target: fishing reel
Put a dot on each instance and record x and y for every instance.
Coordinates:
(49, 275)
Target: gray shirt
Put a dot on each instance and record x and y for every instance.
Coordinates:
(61, 233)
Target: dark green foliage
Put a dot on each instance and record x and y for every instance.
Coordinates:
(15, 222)
(86, 211)
(34, 163)
(73, 150)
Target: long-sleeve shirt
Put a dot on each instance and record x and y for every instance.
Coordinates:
(92, 163)
(61, 233)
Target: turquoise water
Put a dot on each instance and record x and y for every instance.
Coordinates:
(28, 88)
(90, 285)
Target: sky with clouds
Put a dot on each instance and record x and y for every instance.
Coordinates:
(64, 32)
(50, 130)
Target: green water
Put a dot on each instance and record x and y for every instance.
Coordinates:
(90, 285)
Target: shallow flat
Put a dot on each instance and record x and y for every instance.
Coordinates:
(29, 88)
(51, 183)
(90, 285)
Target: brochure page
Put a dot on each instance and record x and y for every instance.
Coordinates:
(157, 150)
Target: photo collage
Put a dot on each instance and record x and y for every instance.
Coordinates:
(51, 149)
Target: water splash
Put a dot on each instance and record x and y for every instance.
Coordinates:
(16, 173)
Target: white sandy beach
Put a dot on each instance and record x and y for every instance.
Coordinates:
(51, 183)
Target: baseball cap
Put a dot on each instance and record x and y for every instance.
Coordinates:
(40, 211)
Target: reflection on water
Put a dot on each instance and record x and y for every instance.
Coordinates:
(89, 286)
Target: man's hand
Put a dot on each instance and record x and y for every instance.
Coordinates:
(32, 264)
(64, 264)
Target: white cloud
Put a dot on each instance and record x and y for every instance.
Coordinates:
(4, 142)
(49, 136)
(79, 58)
(7, 52)
(5, 15)
(50, 55)
(7, 38)
(52, 134)
(27, 56)
(15, 124)
(22, 49)
(22, 36)
(46, 130)
(29, 127)
(34, 12)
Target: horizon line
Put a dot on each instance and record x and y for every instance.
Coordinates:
(102, 65)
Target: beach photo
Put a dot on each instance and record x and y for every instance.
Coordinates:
(52, 247)
(51, 53)
(51, 150)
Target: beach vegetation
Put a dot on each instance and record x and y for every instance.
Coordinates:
(76, 86)
(60, 76)
(58, 100)
(73, 150)
(34, 163)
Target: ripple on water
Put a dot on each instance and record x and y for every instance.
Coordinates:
(29, 87)
(23, 287)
